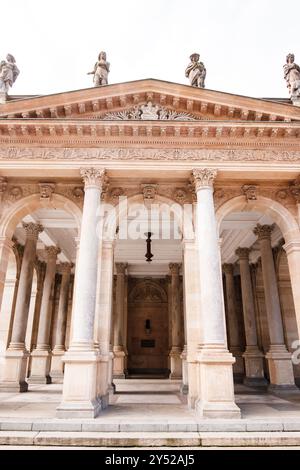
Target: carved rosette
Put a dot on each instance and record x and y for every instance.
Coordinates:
(295, 190)
(263, 231)
(3, 185)
(32, 230)
(227, 268)
(243, 253)
(204, 177)
(93, 177)
(52, 251)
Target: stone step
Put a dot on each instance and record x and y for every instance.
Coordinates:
(107, 425)
(149, 439)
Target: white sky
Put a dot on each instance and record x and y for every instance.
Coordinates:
(243, 43)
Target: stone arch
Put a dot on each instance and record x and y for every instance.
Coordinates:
(25, 206)
(281, 216)
(147, 290)
(118, 212)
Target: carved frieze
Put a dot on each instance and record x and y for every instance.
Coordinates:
(203, 155)
(149, 112)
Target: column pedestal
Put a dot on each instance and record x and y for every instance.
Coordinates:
(253, 358)
(80, 399)
(57, 366)
(15, 371)
(175, 363)
(118, 363)
(217, 393)
(40, 367)
(185, 382)
(280, 369)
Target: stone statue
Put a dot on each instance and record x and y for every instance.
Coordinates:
(101, 70)
(196, 72)
(292, 76)
(8, 73)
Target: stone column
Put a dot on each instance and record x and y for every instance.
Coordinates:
(176, 348)
(292, 249)
(233, 327)
(119, 353)
(16, 356)
(193, 316)
(216, 393)
(279, 359)
(41, 356)
(104, 314)
(57, 365)
(6, 245)
(253, 356)
(80, 397)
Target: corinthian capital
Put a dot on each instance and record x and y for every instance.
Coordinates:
(228, 268)
(121, 268)
(32, 230)
(263, 231)
(243, 253)
(174, 268)
(204, 177)
(93, 177)
(52, 251)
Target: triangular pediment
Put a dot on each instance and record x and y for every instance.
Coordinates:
(149, 100)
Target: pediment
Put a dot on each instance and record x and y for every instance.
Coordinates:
(149, 100)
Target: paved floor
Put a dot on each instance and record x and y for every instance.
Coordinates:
(156, 400)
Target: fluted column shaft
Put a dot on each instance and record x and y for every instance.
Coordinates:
(60, 332)
(176, 349)
(247, 297)
(270, 284)
(253, 356)
(120, 291)
(233, 327)
(43, 337)
(175, 305)
(119, 353)
(25, 285)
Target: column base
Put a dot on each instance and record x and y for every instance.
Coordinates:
(184, 389)
(255, 382)
(14, 371)
(80, 399)
(40, 367)
(238, 366)
(57, 366)
(254, 367)
(112, 389)
(175, 363)
(280, 366)
(216, 392)
(278, 389)
(119, 363)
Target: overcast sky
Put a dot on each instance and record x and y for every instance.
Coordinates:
(243, 43)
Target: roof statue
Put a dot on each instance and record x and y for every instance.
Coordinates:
(292, 77)
(101, 70)
(196, 71)
(8, 75)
